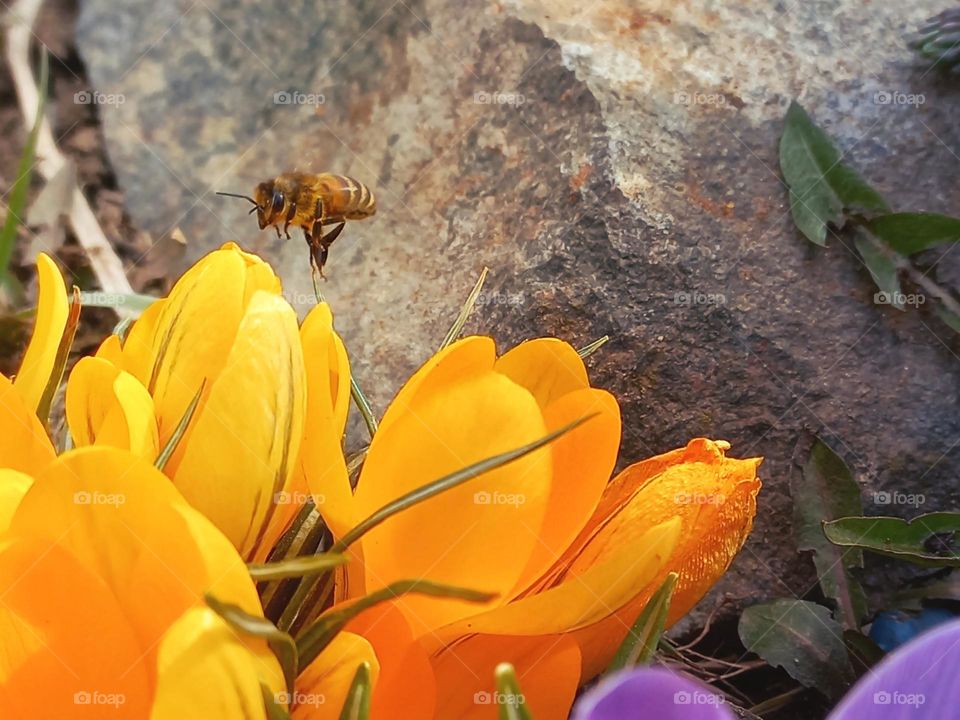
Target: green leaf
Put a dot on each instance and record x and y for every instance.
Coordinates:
(881, 266)
(509, 697)
(803, 639)
(316, 637)
(17, 199)
(448, 482)
(295, 567)
(465, 311)
(823, 489)
(642, 640)
(910, 233)
(270, 704)
(863, 652)
(821, 185)
(166, 452)
(357, 704)
(926, 540)
(951, 319)
(135, 303)
(282, 645)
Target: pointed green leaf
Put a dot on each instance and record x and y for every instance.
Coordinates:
(881, 266)
(588, 350)
(951, 319)
(295, 567)
(928, 540)
(642, 640)
(270, 704)
(465, 311)
(864, 652)
(509, 697)
(133, 303)
(824, 489)
(357, 704)
(280, 643)
(316, 637)
(821, 185)
(166, 452)
(910, 233)
(17, 199)
(803, 639)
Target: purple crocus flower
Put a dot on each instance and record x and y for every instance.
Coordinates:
(916, 682)
(651, 693)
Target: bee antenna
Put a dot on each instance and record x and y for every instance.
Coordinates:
(242, 197)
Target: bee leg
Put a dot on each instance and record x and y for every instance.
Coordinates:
(277, 228)
(291, 213)
(318, 254)
(327, 240)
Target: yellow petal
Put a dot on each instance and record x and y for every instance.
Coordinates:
(243, 446)
(137, 349)
(197, 326)
(111, 350)
(125, 522)
(549, 368)
(322, 467)
(547, 668)
(714, 498)
(13, 486)
(68, 650)
(206, 672)
(583, 599)
(321, 688)
(24, 444)
(41, 355)
(108, 406)
(479, 534)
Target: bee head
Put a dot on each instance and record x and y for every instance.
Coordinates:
(270, 202)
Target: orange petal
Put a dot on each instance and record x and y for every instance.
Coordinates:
(41, 354)
(406, 678)
(583, 599)
(479, 534)
(548, 671)
(125, 522)
(68, 648)
(322, 686)
(583, 460)
(13, 486)
(24, 444)
(714, 498)
(549, 368)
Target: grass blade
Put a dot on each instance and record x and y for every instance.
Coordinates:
(167, 452)
(588, 350)
(60, 361)
(512, 703)
(357, 704)
(295, 567)
(642, 640)
(454, 332)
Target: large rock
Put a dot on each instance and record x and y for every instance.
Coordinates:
(614, 164)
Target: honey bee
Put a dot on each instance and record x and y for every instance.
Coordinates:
(312, 202)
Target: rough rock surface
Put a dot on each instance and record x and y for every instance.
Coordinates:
(615, 165)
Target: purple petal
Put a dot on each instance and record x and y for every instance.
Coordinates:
(916, 682)
(651, 693)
